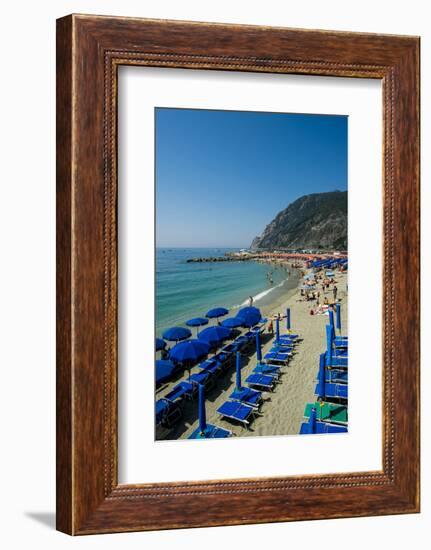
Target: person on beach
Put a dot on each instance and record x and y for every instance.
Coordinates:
(334, 292)
(250, 301)
(325, 301)
(271, 327)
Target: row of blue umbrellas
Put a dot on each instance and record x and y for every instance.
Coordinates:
(188, 352)
(247, 316)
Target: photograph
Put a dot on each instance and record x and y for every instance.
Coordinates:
(251, 282)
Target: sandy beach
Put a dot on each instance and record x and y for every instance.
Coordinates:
(282, 410)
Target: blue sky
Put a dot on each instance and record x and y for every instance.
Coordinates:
(222, 176)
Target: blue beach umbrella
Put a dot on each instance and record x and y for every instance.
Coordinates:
(258, 349)
(232, 322)
(217, 312)
(321, 381)
(250, 316)
(160, 344)
(277, 330)
(331, 317)
(213, 336)
(238, 371)
(338, 309)
(288, 318)
(312, 421)
(202, 415)
(176, 334)
(329, 343)
(197, 322)
(164, 371)
(189, 353)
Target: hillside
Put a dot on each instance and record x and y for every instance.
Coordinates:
(317, 221)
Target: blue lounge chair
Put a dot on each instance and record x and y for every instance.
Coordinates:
(328, 390)
(277, 357)
(334, 357)
(204, 378)
(242, 394)
(248, 396)
(234, 410)
(167, 412)
(224, 359)
(204, 430)
(212, 366)
(322, 428)
(336, 376)
(263, 368)
(211, 432)
(183, 390)
(263, 381)
(314, 426)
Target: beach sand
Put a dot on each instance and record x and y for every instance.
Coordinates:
(282, 410)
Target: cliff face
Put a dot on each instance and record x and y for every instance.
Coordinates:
(313, 222)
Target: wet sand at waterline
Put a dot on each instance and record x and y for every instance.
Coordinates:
(282, 409)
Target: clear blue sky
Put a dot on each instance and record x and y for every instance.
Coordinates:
(222, 176)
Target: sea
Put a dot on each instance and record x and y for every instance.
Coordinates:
(186, 290)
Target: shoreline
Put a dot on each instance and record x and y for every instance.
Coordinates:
(282, 410)
(263, 298)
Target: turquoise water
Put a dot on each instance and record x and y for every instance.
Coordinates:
(185, 290)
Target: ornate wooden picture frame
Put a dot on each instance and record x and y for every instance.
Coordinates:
(89, 51)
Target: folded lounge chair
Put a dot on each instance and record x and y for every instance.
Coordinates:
(167, 412)
(234, 410)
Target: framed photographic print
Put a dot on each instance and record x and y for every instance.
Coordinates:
(237, 274)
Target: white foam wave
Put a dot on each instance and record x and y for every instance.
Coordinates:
(262, 294)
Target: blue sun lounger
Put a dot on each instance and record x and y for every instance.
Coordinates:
(332, 391)
(167, 412)
(339, 362)
(316, 426)
(263, 381)
(277, 357)
(212, 366)
(321, 428)
(183, 390)
(233, 410)
(204, 378)
(272, 370)
(248, 396)
(224, 360)
(211, 432)
(324, 389)
(336, 376)
(280, 346)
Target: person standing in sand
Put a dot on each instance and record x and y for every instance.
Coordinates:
(271, 327)
(334, 292)
(250, 301)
